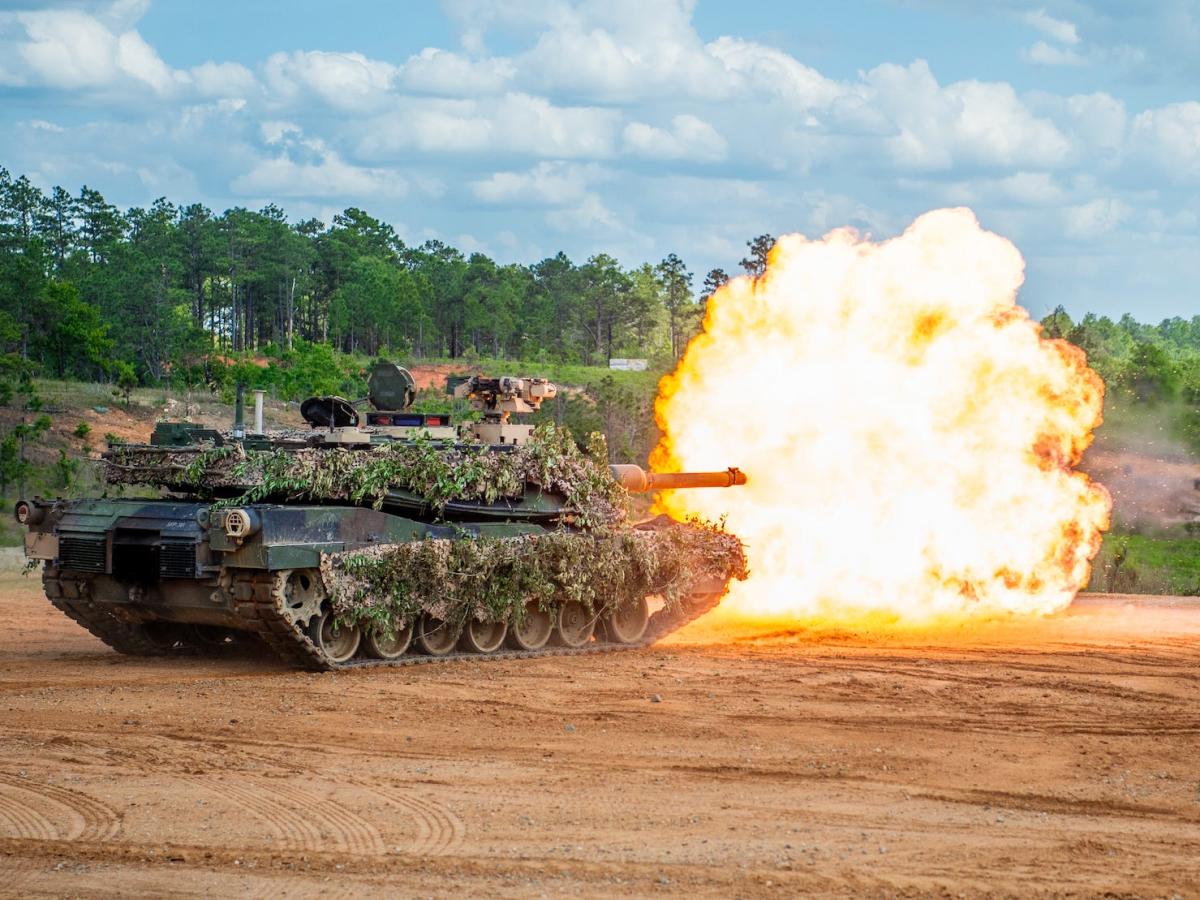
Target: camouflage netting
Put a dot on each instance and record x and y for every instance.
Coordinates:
(435, 471)
(493, 578)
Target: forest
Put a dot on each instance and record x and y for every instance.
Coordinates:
(182, 297)
(91, 292)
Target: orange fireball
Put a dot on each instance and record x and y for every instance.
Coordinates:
(907, 433)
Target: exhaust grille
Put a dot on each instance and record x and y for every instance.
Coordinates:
(81, 554)
(177, 559)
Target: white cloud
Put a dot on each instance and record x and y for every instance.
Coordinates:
(72, 49)
(512, 123)
(765, 70)
(436, 71)
(347, 81)
(138, 59)
(689, 138)
(546, 184)
(213, 79)
(1097, 217)
(590, 216)
(43, 125)
(319, 172)
(1059, 29)
(1170, 138)
(68, 49)
(275, 130)
(620, 66)
(1032, 188)
(1046, 55)
(971, 121)
(1098, 121)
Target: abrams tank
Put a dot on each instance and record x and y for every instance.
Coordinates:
(390, 538)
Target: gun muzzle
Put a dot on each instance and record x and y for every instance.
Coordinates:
(638, 481)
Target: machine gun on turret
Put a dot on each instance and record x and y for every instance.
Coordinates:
(497, 399)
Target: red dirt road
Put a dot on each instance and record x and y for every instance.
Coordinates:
(1060, 757)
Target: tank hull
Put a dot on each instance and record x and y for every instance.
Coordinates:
(169, 577)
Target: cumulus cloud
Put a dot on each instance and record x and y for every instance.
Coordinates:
(546, 184)
(95, 47)
(765, 71)
(1060, 30)
(513, 123)
(1169, 138)
(308, 168)
(689, 138)
(1063, 35)
(70, 49)
(212, 79)
(1094, 218)
(346, 81)
(1033, 188)
(437, 71)
(969, 121)
(1047, 55)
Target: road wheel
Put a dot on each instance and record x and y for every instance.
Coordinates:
(338, 642)
(382, 645)
(435, 636)
(483, 637)
(533, 630)
(574, 626)
(627, 623)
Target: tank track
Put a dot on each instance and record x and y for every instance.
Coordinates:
(70, 596)
(256, 605)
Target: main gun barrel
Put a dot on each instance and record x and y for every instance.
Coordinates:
(639, 481)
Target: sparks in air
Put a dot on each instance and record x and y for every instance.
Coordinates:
(907, 432)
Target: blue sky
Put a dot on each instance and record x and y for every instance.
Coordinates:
(642, 127)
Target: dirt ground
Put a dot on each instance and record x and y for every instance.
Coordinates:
(1051, 758)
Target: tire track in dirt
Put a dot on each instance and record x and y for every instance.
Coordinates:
(16, 874)
(299, 820)
(89, 818)
(18, 819)
(291, 832)
(444, 832)
(1050, 804)
(439, 830)
(345, 829)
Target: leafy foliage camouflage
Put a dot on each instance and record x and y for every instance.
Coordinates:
(436, 471)
(494, 578)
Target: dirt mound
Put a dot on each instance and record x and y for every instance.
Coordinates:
(433, 376)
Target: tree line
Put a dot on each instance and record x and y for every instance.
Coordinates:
(152, 294)
(169, 292)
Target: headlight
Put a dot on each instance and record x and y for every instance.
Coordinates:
(241, 523)
(27, 513)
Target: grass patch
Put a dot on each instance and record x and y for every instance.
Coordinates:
(83, 394)
(1145, 564)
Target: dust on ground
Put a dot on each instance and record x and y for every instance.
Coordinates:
(1149, 491)
(1056, 758)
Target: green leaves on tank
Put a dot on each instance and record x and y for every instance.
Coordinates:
(493, 577)
(402, 474)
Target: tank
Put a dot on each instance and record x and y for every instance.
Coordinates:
(387, 537)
